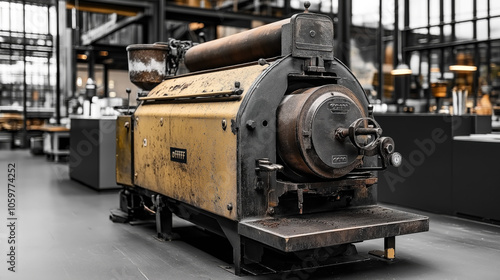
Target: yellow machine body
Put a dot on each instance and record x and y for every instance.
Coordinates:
(277, 154)
(163, 131)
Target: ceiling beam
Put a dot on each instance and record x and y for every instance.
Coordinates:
(100, 32)
(120, 7)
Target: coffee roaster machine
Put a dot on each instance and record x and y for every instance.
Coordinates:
(269, 141)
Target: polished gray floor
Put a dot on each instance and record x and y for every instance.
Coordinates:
(63, 232)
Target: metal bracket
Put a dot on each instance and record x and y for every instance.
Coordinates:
(315, 64)
(266, 166)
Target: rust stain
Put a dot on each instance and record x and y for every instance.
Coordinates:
(208, 179)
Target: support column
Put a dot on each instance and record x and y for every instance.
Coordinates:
(164, 221)
(389, 252)
(381, 53)
(343, 45)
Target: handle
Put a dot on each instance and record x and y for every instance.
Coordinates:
(361, 126)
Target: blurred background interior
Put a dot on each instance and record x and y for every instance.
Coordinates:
(64, 58)
(424, 64)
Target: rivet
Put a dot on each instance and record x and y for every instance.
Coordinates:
(230, 206)
(145, 142)
(224, 124)
(161, 121)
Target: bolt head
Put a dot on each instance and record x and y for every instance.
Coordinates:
(251, 124)
(389, 148)
(224, 124)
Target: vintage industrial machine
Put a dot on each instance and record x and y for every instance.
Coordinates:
(270, 141)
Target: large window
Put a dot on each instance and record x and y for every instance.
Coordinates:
(27, 63)
(454, 32)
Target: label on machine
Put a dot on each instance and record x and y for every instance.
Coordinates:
(178, 155)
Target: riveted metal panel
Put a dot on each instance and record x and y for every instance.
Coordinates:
(187, 151)
(124, 150)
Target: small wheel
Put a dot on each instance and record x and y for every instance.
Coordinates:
(364, 133)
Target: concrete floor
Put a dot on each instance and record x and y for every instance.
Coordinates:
(63, 232)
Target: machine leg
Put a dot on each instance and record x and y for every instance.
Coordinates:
(230, 229)
(164, 222)
(389, 252)
(122, 215)
(237, 257)
(390, 247)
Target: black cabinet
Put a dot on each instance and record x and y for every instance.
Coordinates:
(92, 152)
(476, 186)
(425, 179)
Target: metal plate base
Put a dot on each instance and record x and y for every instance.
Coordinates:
(310, 231)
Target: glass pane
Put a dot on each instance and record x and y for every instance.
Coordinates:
(447, 33)
(495, 68)
(418, 13)
(447, 11)
(4, 16)
(435, 34)
(463, 9)
(387, 14)
(448, 59)
(495, 28)
(365, 13)
(482, 8)
(419, 36)
(435, 72)
(36, 19)
(434, 12)
(16, 17)
(464, 31)
(494, 8)
(482, 29)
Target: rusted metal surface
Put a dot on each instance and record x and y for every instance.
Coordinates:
(202, 169)
(147, 64)
(307, 121)
(318, 230)
(124, 150)
(232, 147)
(250, 45)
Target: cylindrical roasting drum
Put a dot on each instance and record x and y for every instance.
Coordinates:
(250, 45)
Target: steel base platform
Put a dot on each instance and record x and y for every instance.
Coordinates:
(309, 231)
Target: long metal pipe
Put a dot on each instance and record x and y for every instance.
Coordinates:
(247, 46)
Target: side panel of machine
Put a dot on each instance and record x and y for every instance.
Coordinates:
(260, 108)
(124, 150)
(187, 150)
